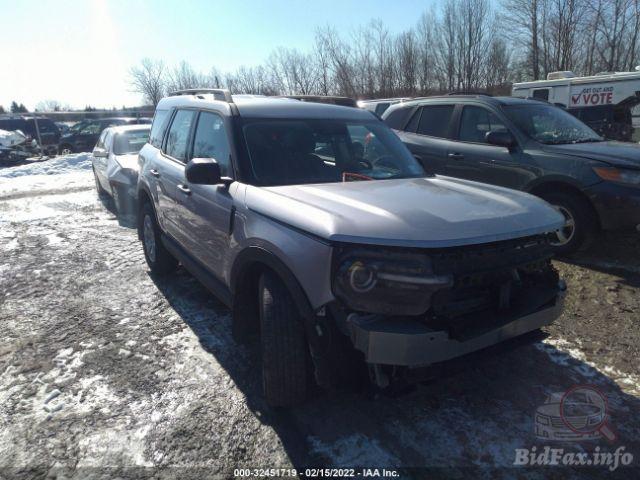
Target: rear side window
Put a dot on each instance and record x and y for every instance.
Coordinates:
(178, 137)
(158, 127)
(434, 120)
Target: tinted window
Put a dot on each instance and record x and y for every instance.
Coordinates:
(397, 118)
(412, 126)
(179, 134)
(130, 142)
(476, 122)
(434, 120)
(542, 94)
(291, 152)
(158, 127)
(381, 107)
(210, 141)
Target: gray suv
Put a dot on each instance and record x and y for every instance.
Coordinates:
(331, 244)
(529, 145)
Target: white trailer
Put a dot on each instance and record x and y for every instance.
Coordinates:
(602, 101)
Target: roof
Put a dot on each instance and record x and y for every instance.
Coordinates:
(460, 97)
(599, 78)
(129, 128)
(268, 107)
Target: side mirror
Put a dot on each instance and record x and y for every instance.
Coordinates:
(501, 139)
(100, 153)
(203, 171)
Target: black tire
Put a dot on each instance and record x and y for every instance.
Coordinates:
(283, 344)
(584, 221)
(160, 261)
(68, 148)
(102, 193)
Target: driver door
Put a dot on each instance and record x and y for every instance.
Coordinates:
(472, 158)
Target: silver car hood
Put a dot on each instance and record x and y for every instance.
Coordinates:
(421, 212)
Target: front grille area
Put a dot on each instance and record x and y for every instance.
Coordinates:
(492, 283)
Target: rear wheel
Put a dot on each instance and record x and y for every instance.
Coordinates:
(158, 258)
(579, 226)
(283, 344)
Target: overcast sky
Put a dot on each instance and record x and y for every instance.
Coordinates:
(79, 51)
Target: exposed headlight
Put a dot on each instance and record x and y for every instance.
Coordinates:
(619, 175)
(385, 282)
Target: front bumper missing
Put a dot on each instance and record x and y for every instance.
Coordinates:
(409, 342)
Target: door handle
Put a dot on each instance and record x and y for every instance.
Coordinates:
(184, 189)
(455, 156)
(155, 173)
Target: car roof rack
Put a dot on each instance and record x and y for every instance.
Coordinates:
(222, 94)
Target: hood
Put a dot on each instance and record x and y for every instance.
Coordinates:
(621, 154)
(129, 161)
(421, 212)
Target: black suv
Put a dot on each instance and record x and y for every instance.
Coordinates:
(532, 146)
(49, 132)
(83, 136)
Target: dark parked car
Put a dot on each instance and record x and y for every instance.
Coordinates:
(83, 136)
(49, 132)
(532, 146)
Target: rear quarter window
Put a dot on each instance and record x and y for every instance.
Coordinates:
(397, 118)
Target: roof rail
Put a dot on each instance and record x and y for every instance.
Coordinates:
(222, 94)
(463, 92)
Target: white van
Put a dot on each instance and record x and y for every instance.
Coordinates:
(603, 101)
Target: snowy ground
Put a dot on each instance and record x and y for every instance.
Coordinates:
(106, 371)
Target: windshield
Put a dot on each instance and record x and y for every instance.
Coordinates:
(130, 142)
(293, 152)
(550, 125)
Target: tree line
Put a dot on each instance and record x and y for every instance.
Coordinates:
(461, 45)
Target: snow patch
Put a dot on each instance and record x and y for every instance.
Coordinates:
(55, 166)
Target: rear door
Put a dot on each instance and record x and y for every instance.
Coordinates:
(205, 211)
(472, 158)
(169, 172)
(428, 135)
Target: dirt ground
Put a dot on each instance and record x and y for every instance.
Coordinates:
(108, 372)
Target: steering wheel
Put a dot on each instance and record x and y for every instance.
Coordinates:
(385, 161)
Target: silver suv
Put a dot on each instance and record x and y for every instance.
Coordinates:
(331, 244)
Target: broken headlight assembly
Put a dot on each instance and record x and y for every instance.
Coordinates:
(385, 281)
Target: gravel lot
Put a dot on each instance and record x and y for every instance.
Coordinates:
(106, 371)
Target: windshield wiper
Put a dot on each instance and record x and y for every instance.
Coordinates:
(589, 140)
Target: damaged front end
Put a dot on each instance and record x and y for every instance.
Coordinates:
(424, 306)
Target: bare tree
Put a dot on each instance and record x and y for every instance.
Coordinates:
(149, 80)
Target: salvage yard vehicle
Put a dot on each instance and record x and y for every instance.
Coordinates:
(603, 101)
(338, 257)
(82, 136)
(380, 105)
(115, 164)
(532, 146)
(48, 131)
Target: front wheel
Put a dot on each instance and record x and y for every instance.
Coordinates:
(283, 344)
(579, 226)
(158, 258)
(66, 150)
(102, 193)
